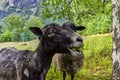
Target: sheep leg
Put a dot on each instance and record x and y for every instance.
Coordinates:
(43, 74)
(34, 75)
(19, 71)
(64, 75)
(72, 76)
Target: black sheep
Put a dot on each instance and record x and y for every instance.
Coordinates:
(34, 65)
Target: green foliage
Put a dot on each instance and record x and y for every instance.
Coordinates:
(79, 8)
(20, 27)
(94, 14)
(7, 36)
(0, 29)
(34, 22)
(15, 24)
(97, 25)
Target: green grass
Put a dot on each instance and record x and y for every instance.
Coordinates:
(98, 63)
(31, 45)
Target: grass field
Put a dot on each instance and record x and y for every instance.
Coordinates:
(97, 50)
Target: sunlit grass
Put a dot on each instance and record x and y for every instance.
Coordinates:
(31, 45)
(97, 50)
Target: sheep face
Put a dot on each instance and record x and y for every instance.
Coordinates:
(58, 39)
(78, 41)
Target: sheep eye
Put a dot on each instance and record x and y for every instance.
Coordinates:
(51, 31)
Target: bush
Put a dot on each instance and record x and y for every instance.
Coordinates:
(14, 23)
(97, 25)
(32, 22)
(7, 36)
(20, 27)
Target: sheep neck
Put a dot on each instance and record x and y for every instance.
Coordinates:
(44, 53)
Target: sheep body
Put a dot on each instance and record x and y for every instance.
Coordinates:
(67, 63)
(10, 60)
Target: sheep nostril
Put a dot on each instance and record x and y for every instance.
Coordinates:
(79, 39)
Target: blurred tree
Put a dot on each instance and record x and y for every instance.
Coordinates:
(20, 27)
(14, 23)
(94, 14)
(0, 29)
(33, 21)
(74, 10)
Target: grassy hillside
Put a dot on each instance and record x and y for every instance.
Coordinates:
(97, 65)
(31, 45)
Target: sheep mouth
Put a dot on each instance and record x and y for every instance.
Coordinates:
(75, 47)
(74, 50)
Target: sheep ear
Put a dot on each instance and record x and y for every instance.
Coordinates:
(37, 31)
(80, 27)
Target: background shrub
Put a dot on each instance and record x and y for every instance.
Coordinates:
(97, 25)
(7, 36)
(20, 27)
